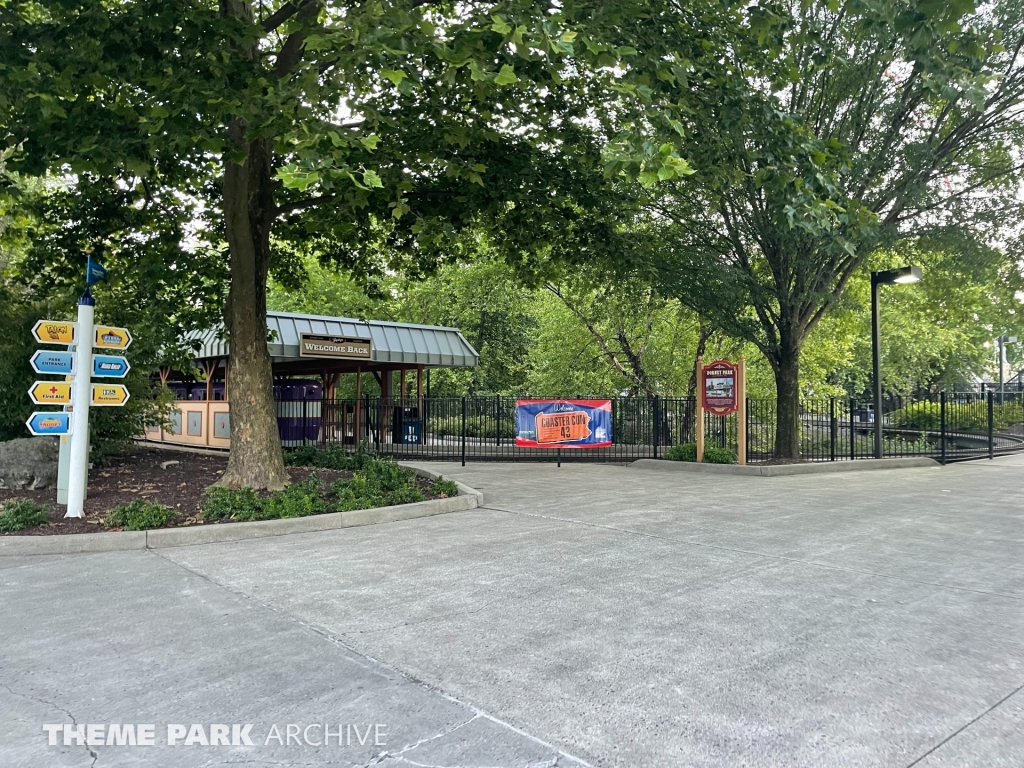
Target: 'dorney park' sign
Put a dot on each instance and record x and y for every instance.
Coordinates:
(316, 345)
(720, 385)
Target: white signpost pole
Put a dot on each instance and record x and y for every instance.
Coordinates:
(79, 474)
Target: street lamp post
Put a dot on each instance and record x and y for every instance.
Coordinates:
(900, 276)
(1003, 341)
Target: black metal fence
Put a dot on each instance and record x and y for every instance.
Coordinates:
(482, 428)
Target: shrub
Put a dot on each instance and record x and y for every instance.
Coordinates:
(688, 452)
(380, 484)
(139, 515)
(682, 452)
(329, 457)
(297, 500)
(476, 426)
(445, 488)
(231, 503)
(719, 456)
(19, 514)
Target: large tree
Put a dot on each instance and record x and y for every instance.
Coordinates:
(298, 119)
(875, 121)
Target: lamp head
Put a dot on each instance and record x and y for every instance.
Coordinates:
(898, 276)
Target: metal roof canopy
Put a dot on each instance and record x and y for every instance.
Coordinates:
(397, 344)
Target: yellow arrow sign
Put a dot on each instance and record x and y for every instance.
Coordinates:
(50, 393)
(54, 332)
(109, 337)
(109, 394)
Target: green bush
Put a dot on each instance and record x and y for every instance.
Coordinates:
(329, 457)
(688, 452)
(446, 488)
(719, 456)
(231, 503)
(476, 426)
(970, 417)
(139, 515)
(297, 500)
(19, 514)
(682, 452)
(380, 484)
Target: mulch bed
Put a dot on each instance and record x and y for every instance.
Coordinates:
(176, 479)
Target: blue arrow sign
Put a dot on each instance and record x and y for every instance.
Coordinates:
(110, 365)
(94, 272)
(45, 361)
(49, 423)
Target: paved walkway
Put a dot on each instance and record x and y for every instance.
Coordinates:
(589, 615)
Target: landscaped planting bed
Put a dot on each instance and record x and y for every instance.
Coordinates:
(152, 488)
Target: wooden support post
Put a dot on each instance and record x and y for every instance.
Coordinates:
(700, 409)
(401, 385)
(207, 369)
(359, 404)
(741, 425)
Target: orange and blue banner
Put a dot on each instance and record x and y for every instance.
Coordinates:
(563, 423)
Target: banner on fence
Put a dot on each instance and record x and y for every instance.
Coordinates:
(563, 423)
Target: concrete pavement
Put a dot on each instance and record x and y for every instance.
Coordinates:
(586, 615)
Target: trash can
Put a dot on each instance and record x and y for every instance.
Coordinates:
(406, 426)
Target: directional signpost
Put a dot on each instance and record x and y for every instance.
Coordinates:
(45, 361)
(78, 366)
(49, 423)
(109, 394)
(51, 393)
(109, 366)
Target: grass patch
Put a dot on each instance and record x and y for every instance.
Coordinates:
(17, 515)
(139, 515)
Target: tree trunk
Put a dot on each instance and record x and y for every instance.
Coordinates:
(256, 460)
(787, 401)
(703, 334)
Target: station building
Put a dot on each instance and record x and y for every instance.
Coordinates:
(309, 355)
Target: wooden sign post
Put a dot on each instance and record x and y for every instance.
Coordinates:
(700, 409)
(721, 393)
(741, 416)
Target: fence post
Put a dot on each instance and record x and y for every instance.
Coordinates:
(831, 429)
(657, 423)
(497, 419)
(305, 420)
(853, 435)
(942, 427)
(463, 431)
(380, 421)
(991, 429)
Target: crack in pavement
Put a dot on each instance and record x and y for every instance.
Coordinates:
(811, 563)
(386, 755)
(358, 656)
(469, 612)
(92, 753)
(968, 724)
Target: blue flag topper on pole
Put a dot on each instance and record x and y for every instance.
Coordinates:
(94, 272)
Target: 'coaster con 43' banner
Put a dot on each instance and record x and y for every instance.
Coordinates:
(563, 423)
